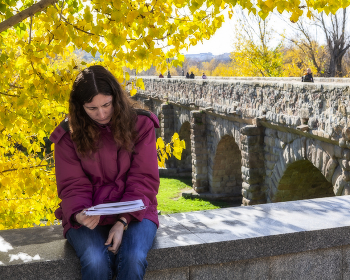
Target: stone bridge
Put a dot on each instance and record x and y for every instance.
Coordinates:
(257, 140)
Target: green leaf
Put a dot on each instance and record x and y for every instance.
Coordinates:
(20, 29)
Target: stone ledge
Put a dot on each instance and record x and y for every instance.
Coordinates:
(194, 240)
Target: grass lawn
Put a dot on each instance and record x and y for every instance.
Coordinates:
(170, 199)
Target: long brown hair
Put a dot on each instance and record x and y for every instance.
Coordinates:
(85, 132)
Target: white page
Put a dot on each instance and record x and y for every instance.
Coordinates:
(115, 208)
(138, 202)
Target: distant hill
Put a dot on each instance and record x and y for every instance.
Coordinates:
(201, 57)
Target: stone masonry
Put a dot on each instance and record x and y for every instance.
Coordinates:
(259, 140)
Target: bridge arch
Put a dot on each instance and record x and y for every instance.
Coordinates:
(226, 174)
(305, 170)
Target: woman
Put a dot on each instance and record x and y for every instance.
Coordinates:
(105, 152)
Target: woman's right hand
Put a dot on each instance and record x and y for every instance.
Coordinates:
(89, 221)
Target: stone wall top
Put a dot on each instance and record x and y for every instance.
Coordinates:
(193, 239)
(285, 102)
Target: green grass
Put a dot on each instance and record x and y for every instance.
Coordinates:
(170, 199)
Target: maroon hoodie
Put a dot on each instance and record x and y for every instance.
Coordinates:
(110, 175)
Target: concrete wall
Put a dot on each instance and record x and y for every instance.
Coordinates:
(306, 239)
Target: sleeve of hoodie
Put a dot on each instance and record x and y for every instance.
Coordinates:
(73, 186)
(143, 176)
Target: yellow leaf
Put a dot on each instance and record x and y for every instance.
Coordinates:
(160, 143)
(140, 84)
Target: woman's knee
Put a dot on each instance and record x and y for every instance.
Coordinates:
(94, 256)
(135, 257)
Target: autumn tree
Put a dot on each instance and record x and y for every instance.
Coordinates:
(254, 53)
(337, 33)
(306, 47)
(296, 59)
(38, 40)
(334, 28)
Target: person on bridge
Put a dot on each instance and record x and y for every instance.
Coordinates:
(192, 75)
(105, 151)
(161, 75)
(187, 75)
(307, 77)
(204, 76)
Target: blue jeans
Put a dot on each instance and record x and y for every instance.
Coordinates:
(99, 263)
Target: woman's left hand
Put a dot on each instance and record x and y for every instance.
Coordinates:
(115, 237)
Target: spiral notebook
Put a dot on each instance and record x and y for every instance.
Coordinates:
(115, 208)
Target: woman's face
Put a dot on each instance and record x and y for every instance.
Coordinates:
(100, 109)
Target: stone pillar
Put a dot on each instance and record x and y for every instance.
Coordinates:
(342, 184)
(148, 103)
(199, 152)
(167, 122)
(253, 169)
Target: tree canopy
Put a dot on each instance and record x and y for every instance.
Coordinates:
(39, 41)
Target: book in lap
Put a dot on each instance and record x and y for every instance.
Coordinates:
(115, 208)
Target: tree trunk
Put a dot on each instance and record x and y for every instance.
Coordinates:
(331, 67)
(339, 70)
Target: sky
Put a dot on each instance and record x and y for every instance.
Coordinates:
(220, 43)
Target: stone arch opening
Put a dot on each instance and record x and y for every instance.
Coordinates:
(185, 164)
(227, 175)
(302, 180)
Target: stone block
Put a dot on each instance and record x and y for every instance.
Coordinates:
(336, 174)
(271, 132)
(346, 175)
(330, 167)
(346, 154)
(269, 164)
(338, 151)
(320, 264)
(345, 164)
(339, 185)
(286, 155)
(328, 148)
(319, 158)
(254, 269)
(252, 140)
(279, 144)
(303, 127)
(168, 274)
(250, 130)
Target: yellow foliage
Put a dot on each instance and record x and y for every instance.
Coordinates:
(38, 67)
(164, 151)
(296, 60)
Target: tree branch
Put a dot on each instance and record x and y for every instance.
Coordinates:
(30, 32)
(13, 95)
(41, 5)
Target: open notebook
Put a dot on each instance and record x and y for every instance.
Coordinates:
(115, 208)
